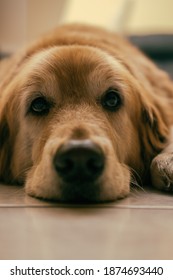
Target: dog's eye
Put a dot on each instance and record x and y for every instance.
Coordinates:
(111, 100)
(40, 106)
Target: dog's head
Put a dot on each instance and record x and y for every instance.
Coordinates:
(75, 123)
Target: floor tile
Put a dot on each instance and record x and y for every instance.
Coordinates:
(137, 227)
(85, 233)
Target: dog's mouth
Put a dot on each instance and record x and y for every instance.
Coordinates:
(80, 192)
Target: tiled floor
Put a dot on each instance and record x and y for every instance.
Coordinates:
(138, 227)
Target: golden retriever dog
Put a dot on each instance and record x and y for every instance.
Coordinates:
(83, 116)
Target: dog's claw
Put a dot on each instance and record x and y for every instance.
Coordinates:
(162, 172)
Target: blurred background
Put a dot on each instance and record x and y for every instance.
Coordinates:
(21, 21)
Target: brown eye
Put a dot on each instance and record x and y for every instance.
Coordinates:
(111, 100)
(40, 106)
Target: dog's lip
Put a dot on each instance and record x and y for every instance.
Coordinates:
(79, 181)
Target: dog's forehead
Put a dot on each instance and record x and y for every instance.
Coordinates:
(75, 55)
(74, 69)
(74, 61)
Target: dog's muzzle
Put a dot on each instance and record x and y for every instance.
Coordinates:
(79, 161)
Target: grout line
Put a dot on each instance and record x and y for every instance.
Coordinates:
(154, 207)
(146, 207)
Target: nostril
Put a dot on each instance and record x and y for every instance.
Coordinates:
(63, 164)
(95, 164)
(79, 160)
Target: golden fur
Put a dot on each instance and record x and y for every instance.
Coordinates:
(73, 66)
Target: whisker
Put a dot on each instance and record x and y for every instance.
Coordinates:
(21, 173)
(136, 181)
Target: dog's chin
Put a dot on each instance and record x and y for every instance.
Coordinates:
(80, 191)
(77, 193)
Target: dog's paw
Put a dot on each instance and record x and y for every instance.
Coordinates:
(162, 172)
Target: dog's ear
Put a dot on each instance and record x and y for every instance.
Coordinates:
(10, 67)
(155, 90)
(154, 128)
(6, 146)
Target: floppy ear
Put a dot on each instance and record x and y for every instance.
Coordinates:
(6, 143)
(5, 149)
(155, 91)
(9, 68)
(154, 129)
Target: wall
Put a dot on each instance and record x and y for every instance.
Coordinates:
(21, 21)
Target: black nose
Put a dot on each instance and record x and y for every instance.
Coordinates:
(79, 160)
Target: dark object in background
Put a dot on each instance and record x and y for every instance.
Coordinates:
(158, 47)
